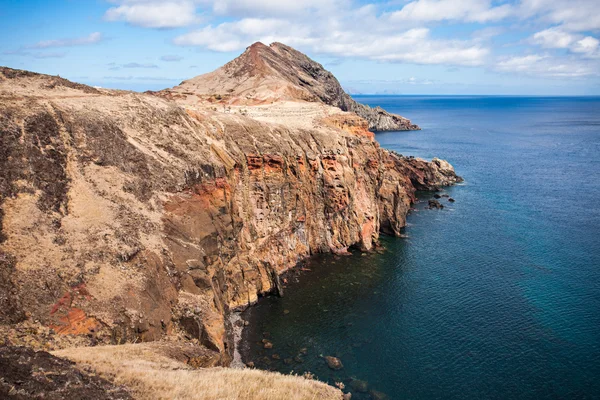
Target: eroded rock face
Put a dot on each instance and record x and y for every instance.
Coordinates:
(126, 217)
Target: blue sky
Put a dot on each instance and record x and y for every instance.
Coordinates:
(409, 47)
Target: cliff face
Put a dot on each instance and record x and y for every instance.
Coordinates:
(129, 217)
(263, 74)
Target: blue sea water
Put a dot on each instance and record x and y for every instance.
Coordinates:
(497, 296)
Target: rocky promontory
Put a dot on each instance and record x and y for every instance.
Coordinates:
(264, 74)
(128, 217)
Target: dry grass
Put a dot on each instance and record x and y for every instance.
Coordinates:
(152, 375)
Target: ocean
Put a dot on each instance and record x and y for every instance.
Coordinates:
(497, 296)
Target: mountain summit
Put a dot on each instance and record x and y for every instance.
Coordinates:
(266, 74)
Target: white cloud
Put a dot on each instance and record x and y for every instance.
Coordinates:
(92, 38)
(138, 65)
(488, 33)
(49, 55)
(155, 14)
(459, 10)
(38, 54)
(387, 82)
(548, 66)
(276, 8)
(140, 79)
(588, 45)
(171, 58)
(555, 38)
(408, 31)
(523, 63)
(234, 36)
(572, 15)
(413, 45)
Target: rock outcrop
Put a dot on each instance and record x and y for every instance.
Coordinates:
(263, 74)
(26, 374)
(129, 217)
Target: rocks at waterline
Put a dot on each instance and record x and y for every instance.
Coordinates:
(435, 204)
(334, 363)
(376, 395)
(437, 196)
(266, 360)
(359, 386)
(451, 200)
(267, 344)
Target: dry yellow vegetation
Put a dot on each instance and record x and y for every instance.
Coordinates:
(150, 374)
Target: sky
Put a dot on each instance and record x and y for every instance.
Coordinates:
(518, 47)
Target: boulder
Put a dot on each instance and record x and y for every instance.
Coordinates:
(334, 363)
(435, 204)
(359, 386)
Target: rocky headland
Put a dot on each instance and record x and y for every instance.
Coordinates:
(129, 217)
(266, 74)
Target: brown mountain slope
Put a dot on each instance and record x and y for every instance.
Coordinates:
(264, 74)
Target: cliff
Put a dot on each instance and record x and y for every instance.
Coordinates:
(128, 217)
(263, 74)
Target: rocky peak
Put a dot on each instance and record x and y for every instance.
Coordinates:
(266, 74)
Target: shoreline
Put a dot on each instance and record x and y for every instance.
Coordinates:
(248, 355)
(237, 325)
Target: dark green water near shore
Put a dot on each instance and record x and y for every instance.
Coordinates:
(495, 297)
